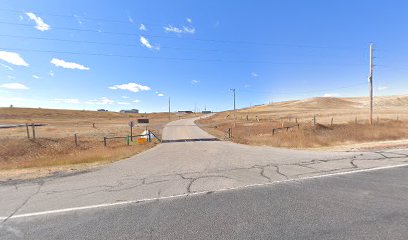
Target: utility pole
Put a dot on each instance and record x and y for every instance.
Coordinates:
(169, 109)
(370, 82)
(235, 115)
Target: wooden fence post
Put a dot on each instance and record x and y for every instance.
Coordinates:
(128, 140)
(296, 120)
(104, 141)
(273, 131)
(33, 127)
(76, 139)
(298, 126)
(331, 122)
(28, 132)
(314, 120)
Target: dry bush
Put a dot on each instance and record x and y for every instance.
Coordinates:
(45, 152)
(308, 136)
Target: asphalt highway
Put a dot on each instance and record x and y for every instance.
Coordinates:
(365, 205)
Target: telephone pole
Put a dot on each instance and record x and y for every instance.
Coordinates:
(169, 109)
(370, 82)
(235, 115)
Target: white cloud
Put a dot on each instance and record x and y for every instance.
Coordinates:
(51, 73)
(247, 86)
(136, 101)
(123, 103)
(40, 24)
(253, 74)
(67, 100)
(6, 67)
(20, 17)
(70, 65)
(100, 101)
(35, 76)
(125, 97)
(381, 88)
(183, 29)
(130, 19)
(160, 95)
(189, 20)
(14, 86)
(12, 58)
(195, 81)
(11, 77)
(147, 44)
(142, 27)
(190, 30)
(133, 87)
(172, 29)
(331, 95)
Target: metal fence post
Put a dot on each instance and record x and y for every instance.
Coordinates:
(104, 141)
(76, 139)
(33, 127)
(28, 132)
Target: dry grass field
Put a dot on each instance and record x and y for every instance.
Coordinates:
(54, 146)
(350, 122)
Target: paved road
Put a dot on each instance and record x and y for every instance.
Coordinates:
(369, 205)
(181, 168)
(184, 130)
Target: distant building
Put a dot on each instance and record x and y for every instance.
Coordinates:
(206, 112)
(102, 110)
(185, 111)
(130, 111)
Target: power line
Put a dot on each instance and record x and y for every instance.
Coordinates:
(302, 92)
(175, 58)
(179, 38)
(74, 16)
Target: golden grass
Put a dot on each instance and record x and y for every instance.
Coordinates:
(54, 144)
(45, 152)
(254, 125)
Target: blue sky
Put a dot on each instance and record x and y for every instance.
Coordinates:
(135, 54)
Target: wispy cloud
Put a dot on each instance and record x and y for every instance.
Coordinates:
(247, 86)
(13, 58)
(254, 74)
(160, 95)
(133, 87)
(147, 44)
(67, 100)
(7, 67)
(142, 27)
(130, 19)
(40, 24)
(170, 28)
(123, 103)
(195, 81)
(183, 29)
(69, 65)
(125, 97)
(136, 101)
(11, 77)
(331, 95)
(51, 73)
(14, 86)
(100, 101)
(35, 76)
(381, 88)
